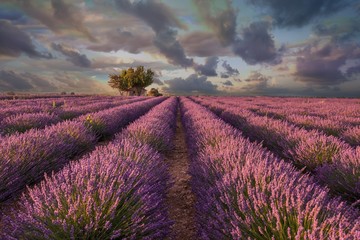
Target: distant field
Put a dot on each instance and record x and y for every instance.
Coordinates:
(99, 167)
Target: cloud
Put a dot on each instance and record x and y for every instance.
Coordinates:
(228, 83)
(223, 23)
(230, 71)
(13, 81)
(340, 31)
(256, 76)
(203, 44)
(256, 45)
(56, 82)
(9, 81)
(123, 40)
(163, 21)
(257, 82)
(352, 71)
(72, 55)
(12, 15)
(321, 65)
(166, 42)
(79, 83)
(14, 42)
(209, 68)
(299, 13)
(110, 63)
(158, 82)
(190, 85)
(57, 15)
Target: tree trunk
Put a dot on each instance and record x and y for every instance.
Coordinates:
(138, 91)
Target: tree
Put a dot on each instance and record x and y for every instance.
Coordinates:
(154, 93)
(132, 80)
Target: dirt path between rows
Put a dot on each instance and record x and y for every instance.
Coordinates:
(180, 198)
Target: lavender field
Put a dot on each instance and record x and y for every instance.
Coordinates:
(101, 167)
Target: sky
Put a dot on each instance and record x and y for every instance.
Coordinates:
(195, 47)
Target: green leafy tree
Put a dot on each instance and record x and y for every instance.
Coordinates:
(132, 80)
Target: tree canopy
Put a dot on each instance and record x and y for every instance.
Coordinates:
(132, 79)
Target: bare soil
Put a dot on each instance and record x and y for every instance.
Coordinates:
(180, 198)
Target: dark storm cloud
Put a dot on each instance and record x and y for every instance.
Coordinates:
(223, 22)
(209, 68)
(228, 83)
(256, 45)
(163, 21)
(203, 44)
(294, 13)
(167, 44)
(73, 56)
(123, 40)
(14, 81)
(320, 65)
(192, 84)
(14, 42)
(57, 15)
(230, 71)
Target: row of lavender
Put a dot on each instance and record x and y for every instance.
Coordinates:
(244, 192)
(45, 115)
(9, 108)
(115, 192)
(331, 161)
(24, 158)
(38, 96)
(321, 107)
(340, 118)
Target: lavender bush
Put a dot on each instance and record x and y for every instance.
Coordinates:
(352, 135)
(155, 129)
(22, 122)
(25, 157)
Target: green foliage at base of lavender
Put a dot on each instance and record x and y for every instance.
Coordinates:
(343, 175)
(311, 149)
(244, 192)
